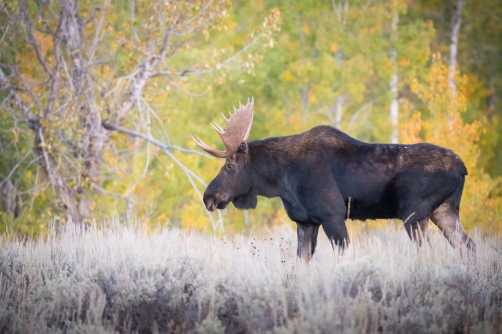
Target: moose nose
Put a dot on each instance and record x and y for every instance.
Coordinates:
(210, 205)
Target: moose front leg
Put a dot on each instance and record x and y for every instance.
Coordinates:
(336, 231)
(326, 206)
(307, 240)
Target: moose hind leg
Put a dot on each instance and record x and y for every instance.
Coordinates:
(307, 240)
(418, 230)
(447, 219)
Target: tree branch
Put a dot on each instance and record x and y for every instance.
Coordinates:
(30, 118)
(31, 37)
(153, 141)
(15, 168)
(217, 67)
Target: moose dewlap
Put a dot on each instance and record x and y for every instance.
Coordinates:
(324, 176)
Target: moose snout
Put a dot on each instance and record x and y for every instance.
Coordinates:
(215, 201)
(209, 203)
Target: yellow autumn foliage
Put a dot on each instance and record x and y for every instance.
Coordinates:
(445, 127)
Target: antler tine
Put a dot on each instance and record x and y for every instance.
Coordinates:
(224, 117)
(214, 152)
(198, 141)
(217, 128)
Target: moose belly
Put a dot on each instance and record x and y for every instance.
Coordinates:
(370, 209)
(369, 197)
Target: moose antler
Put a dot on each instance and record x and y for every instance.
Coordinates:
(236, 131)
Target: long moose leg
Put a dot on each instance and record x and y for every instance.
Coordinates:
(307, 240)
(323, 202)
(446, 218)
(331, 210)
(418, 230)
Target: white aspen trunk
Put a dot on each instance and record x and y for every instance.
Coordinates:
(339, 111)
(394, 110)
(304, 94)
(492, 99)
(129, 216)
(394, 105)
(9, 198)
(339, 9)
(455, 29)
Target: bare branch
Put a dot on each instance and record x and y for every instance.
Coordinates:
(165, 43)
(217, 67)
(96, 39)
(155, 142)
(16, 166)
(92, 15)
(4, 34)
(144, 73)
(29, 117)
(31, 37)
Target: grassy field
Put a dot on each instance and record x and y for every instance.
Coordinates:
(122, 279)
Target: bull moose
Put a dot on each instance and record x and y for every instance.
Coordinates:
(324, 176)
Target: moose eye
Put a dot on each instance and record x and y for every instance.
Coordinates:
(229, 166)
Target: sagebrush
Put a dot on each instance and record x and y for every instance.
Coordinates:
(122, 279)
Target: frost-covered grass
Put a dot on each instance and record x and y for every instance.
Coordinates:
(121, 279)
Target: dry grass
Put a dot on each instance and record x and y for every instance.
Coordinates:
(120, 279)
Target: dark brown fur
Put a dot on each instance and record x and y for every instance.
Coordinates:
(316, 172)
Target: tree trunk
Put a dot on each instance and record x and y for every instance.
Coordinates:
(305, 99)
(340, 10)
(10, 198)
(492, 99)
(338, 106)
(59, 186)
(394, 105)
(456, 22)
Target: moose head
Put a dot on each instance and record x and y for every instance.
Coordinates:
(234, 181)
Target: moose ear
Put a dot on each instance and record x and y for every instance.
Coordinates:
(243, 148)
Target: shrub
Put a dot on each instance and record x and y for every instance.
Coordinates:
(122, 279)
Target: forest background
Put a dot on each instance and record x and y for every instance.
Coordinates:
(99, 99)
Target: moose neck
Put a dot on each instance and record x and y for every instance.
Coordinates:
(267, 172)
